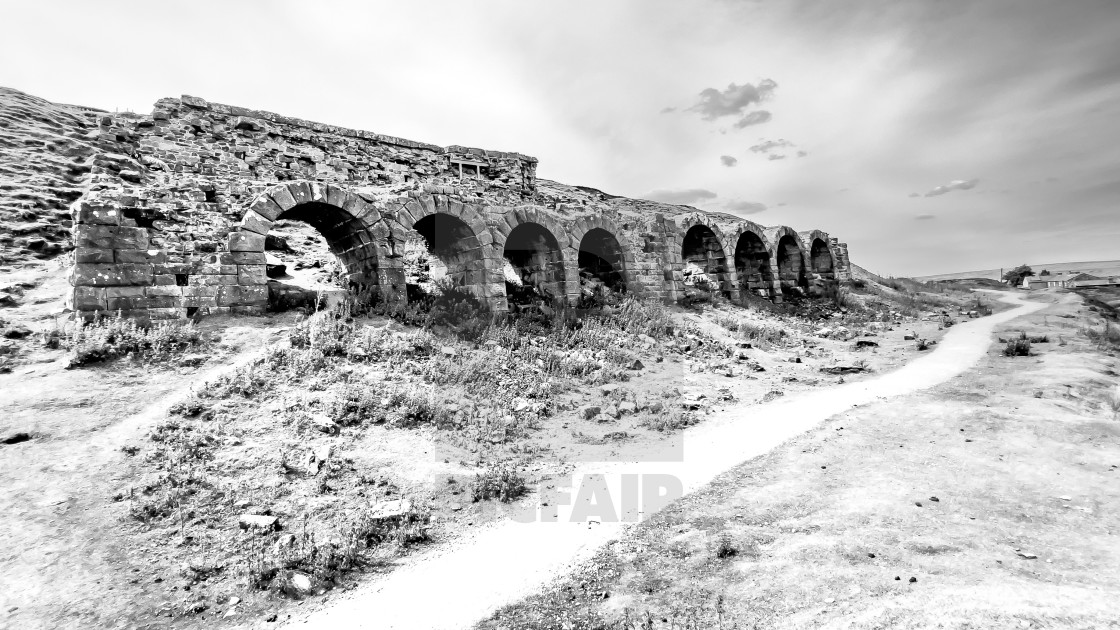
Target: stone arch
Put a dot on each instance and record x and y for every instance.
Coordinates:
(787, 256)
(702, 246)
(821, 260)
(346, 221)
(540, 252)
(454, 233)
(752, 261)
(601, 254)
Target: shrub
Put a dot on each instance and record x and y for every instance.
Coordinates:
(1020, 347)
(108, 338)
(1107, 336)
(502, 482)
(725, 546)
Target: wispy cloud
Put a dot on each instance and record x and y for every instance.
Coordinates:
(668, 110)
(728, 160)
(683, 197)
(734, 101)
(924, 217)
(766, 146)
(754, 118)
(744, 207)
(775, 156)
(956, 184)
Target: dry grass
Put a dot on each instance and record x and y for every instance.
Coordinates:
(107, 338)
(877, 518)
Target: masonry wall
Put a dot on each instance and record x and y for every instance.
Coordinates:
(180, 201)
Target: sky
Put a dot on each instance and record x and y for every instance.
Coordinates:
(932, 136)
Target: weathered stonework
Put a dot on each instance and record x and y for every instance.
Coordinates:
(179, 204)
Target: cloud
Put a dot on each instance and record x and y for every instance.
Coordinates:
(727, 160)
(767, 146)
(802, 154)
(956, 184)
(776, 156)
(744, 207)
(924, 217)
(912, 195)
(668, 110)
(680, 197)
(734, 101)
(754, 118)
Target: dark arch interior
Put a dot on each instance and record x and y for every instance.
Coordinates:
(299, 252)
(791, 269)
(441, 247)
(752, 261)
(601, 264)
(536, 266)
(821, 259)
(704, 260)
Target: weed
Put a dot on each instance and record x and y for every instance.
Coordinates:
(1107, 337)
(502, 482)
(725, 546)
(107, 338)
(1017, 347)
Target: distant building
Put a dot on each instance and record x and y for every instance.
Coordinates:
(1092, 281)
(1070, 280)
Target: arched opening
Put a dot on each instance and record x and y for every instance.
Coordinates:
(602, 267)
(534, 270)
(791, 266)
(442, 252)
(318, 250)
(705, 263)
(821, 259)
(752, 261)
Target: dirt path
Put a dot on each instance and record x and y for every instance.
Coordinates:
(457, 585)
(57, 537)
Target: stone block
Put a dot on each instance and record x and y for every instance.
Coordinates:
(96, 275)
(200, 291)
(251, 275)
(283, 198)
(242, 295)
(256, 223)
(163, 291)
(266, 207)
(200, 301)
(243, 258)
(96, 215)
(110, 237)
(164, 280)
(300, 191)
(141, 302)
(242, 241)
(86, 255)
(154, 256)
(211, 280)
(89, 299)
(165, 313)
(122, 292)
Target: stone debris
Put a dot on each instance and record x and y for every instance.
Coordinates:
(258, 522)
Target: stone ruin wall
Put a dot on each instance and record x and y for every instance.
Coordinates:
(179, 202)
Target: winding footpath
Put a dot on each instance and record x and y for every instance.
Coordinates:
(459, 584)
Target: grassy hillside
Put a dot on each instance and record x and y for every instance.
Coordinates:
(45, 159)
